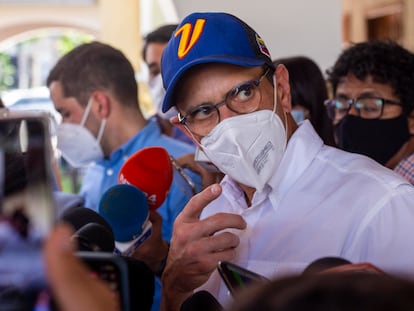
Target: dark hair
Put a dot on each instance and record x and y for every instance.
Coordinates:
(96, 66)
(160, 35)
(308, 89)
(385, 61)
(324, 263)
(331, 291)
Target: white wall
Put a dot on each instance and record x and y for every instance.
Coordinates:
(289, 27)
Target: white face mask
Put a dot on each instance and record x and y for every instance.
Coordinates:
(77, 144)
(248, 147)
(157, 93)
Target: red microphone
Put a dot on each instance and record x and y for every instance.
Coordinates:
(151, 171)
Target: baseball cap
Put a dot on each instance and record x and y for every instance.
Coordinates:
(212, 37)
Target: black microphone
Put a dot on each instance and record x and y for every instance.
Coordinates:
(201, 301)
(93, 232)
(141, 283)
(79, 216)
(94, 237)
(324, 263)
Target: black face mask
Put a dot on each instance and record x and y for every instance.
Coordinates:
(379, 139)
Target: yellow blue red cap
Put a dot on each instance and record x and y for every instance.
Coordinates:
(212, 37)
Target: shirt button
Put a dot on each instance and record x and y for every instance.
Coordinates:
(109, 172)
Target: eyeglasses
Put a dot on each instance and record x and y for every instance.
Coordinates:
(366, 107)
(243, 98)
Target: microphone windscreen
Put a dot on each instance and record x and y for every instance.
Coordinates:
(141, 284)
(94, 237)
(201, 301)
(78, 216)
(125, 208)
(151, 171)
(324, 263)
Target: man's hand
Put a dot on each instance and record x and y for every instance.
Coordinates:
(73, 286)
(154, 250)
(207, 178)
(196, 247)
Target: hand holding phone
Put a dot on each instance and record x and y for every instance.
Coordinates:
(71, 277)
(111, 269)
(26, 207)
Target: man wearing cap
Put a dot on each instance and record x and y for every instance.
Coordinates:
(286, 199)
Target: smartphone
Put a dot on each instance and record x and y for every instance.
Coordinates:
(111, 269)
(236, 277)
(27, 212)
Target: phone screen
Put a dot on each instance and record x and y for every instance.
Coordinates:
(26, 210)
(236, 277)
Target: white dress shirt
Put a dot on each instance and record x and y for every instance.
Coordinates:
(320, 202)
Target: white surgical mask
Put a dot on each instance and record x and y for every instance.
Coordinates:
(78, 145)
(157, 93)
(248, 147)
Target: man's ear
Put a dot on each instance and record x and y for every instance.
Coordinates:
(102, 107)
(283, 88)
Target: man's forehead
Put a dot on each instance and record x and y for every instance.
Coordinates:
(352, 87)
(350, 81)
(58, 97)
(217, 70)
(351, 78)
(224, 74)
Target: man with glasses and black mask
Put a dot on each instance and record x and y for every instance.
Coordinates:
(373, 97)
(287, 199)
